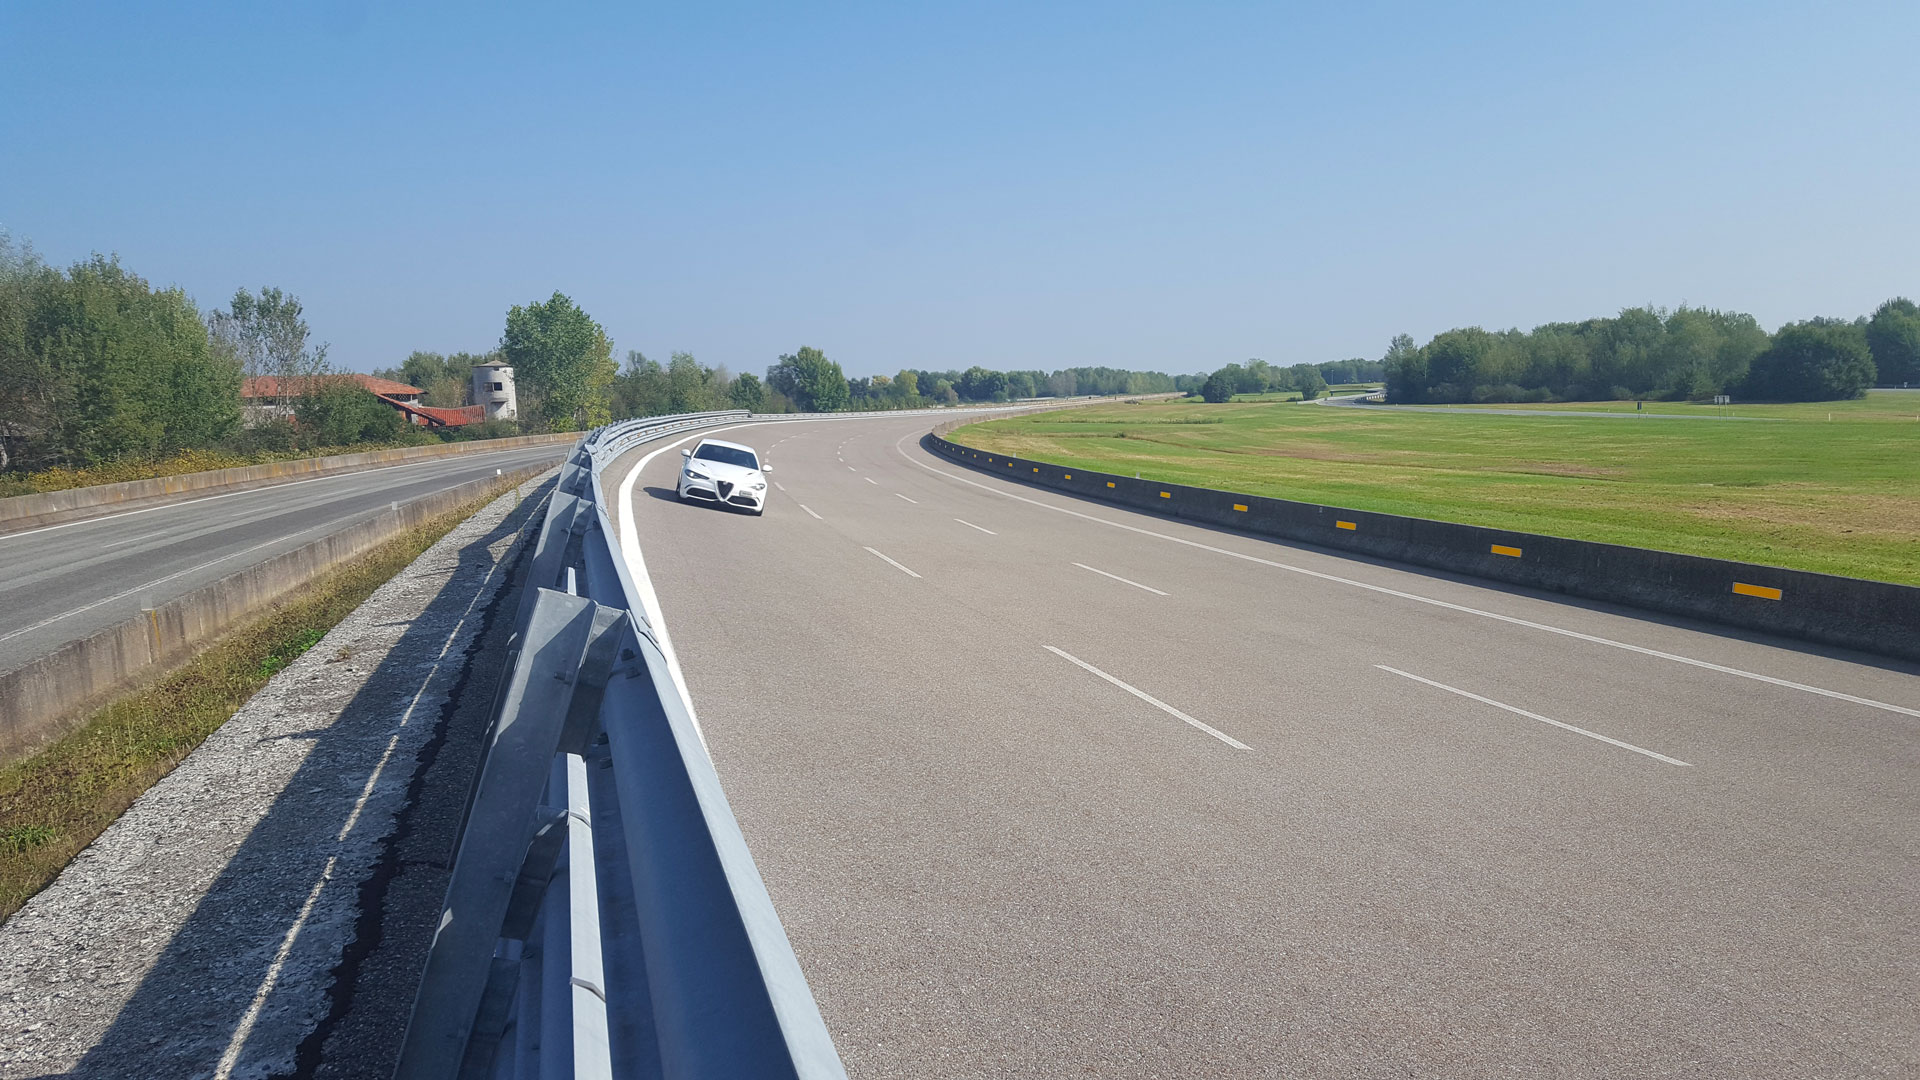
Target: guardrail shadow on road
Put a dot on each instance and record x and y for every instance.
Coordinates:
(311, 891)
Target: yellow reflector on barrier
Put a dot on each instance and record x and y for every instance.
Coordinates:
(1036, 470)
(1166, 494)
(1240, 507)
(1109, 483)
(1347, 525)
(1069, 476)
(1760, 591)
(1510, 552)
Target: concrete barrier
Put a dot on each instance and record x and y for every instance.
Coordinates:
(47, 697)
(1871, 616)
(73, 504)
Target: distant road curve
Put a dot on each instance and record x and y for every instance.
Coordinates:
(64, 582)
(1352, 400)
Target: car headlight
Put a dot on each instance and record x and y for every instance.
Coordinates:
(759, 487)
(691, 475)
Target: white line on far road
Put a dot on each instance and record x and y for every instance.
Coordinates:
(897, 495)
(780, 485)
(1150, 699)
(809, 510)
(1537, 716)
(871, 480)
(893, 564)
(971, 525)
(852, 469)
(1120, 579)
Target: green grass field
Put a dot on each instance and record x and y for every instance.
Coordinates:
(1788, 488)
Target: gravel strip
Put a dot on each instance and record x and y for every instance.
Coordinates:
(242, 914)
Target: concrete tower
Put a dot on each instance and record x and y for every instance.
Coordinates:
(493, 387)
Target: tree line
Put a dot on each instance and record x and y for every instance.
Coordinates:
(1308, 380)
(807, 381)
(1645, 352)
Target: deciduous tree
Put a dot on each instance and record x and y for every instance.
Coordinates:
(1816, 360)
(1893, 334)
(811, 381)
(566, 360)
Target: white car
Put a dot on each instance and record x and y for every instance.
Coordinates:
(726, 474)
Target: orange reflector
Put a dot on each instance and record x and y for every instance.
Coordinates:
(1510, 552)
(1109, 483)
(1348, 525)
(1240, 507)
(1166, 494)
(1760, 591)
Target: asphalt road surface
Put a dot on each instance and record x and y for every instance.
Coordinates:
(1045, 788)
(64, 582)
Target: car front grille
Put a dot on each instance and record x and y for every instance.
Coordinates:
(726, 488)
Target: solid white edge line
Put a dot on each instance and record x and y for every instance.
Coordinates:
(893, 564)
(264, 489)
(1384, 590)
(637, 568)
(971, 525)
(810, 512)
(51, 619)
(897, 495)
(1150, 699)
(1536, 716)
(1120, 579)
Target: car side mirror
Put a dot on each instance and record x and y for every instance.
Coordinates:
(766, 468)
(686, 453)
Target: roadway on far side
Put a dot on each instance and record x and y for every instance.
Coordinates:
(1042, 787)
(65, 582)
(1367, 401)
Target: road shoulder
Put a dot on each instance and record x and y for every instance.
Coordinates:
(279, 872)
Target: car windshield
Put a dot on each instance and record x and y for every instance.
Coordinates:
(727, 455)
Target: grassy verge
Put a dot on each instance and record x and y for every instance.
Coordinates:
(55, 802)
(1796, 490)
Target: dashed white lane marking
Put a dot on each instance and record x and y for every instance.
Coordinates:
(871, 480)
(1431, 601)
(893, 564)
(809, 510)
(852, 469)
(971, 525)
(1120, 579)
(779, 485)
(1150, 699)
(897, 495)
(1536, 716)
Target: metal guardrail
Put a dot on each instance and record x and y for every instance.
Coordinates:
(604, 917)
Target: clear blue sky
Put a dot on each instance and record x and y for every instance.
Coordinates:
(1168, 186)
